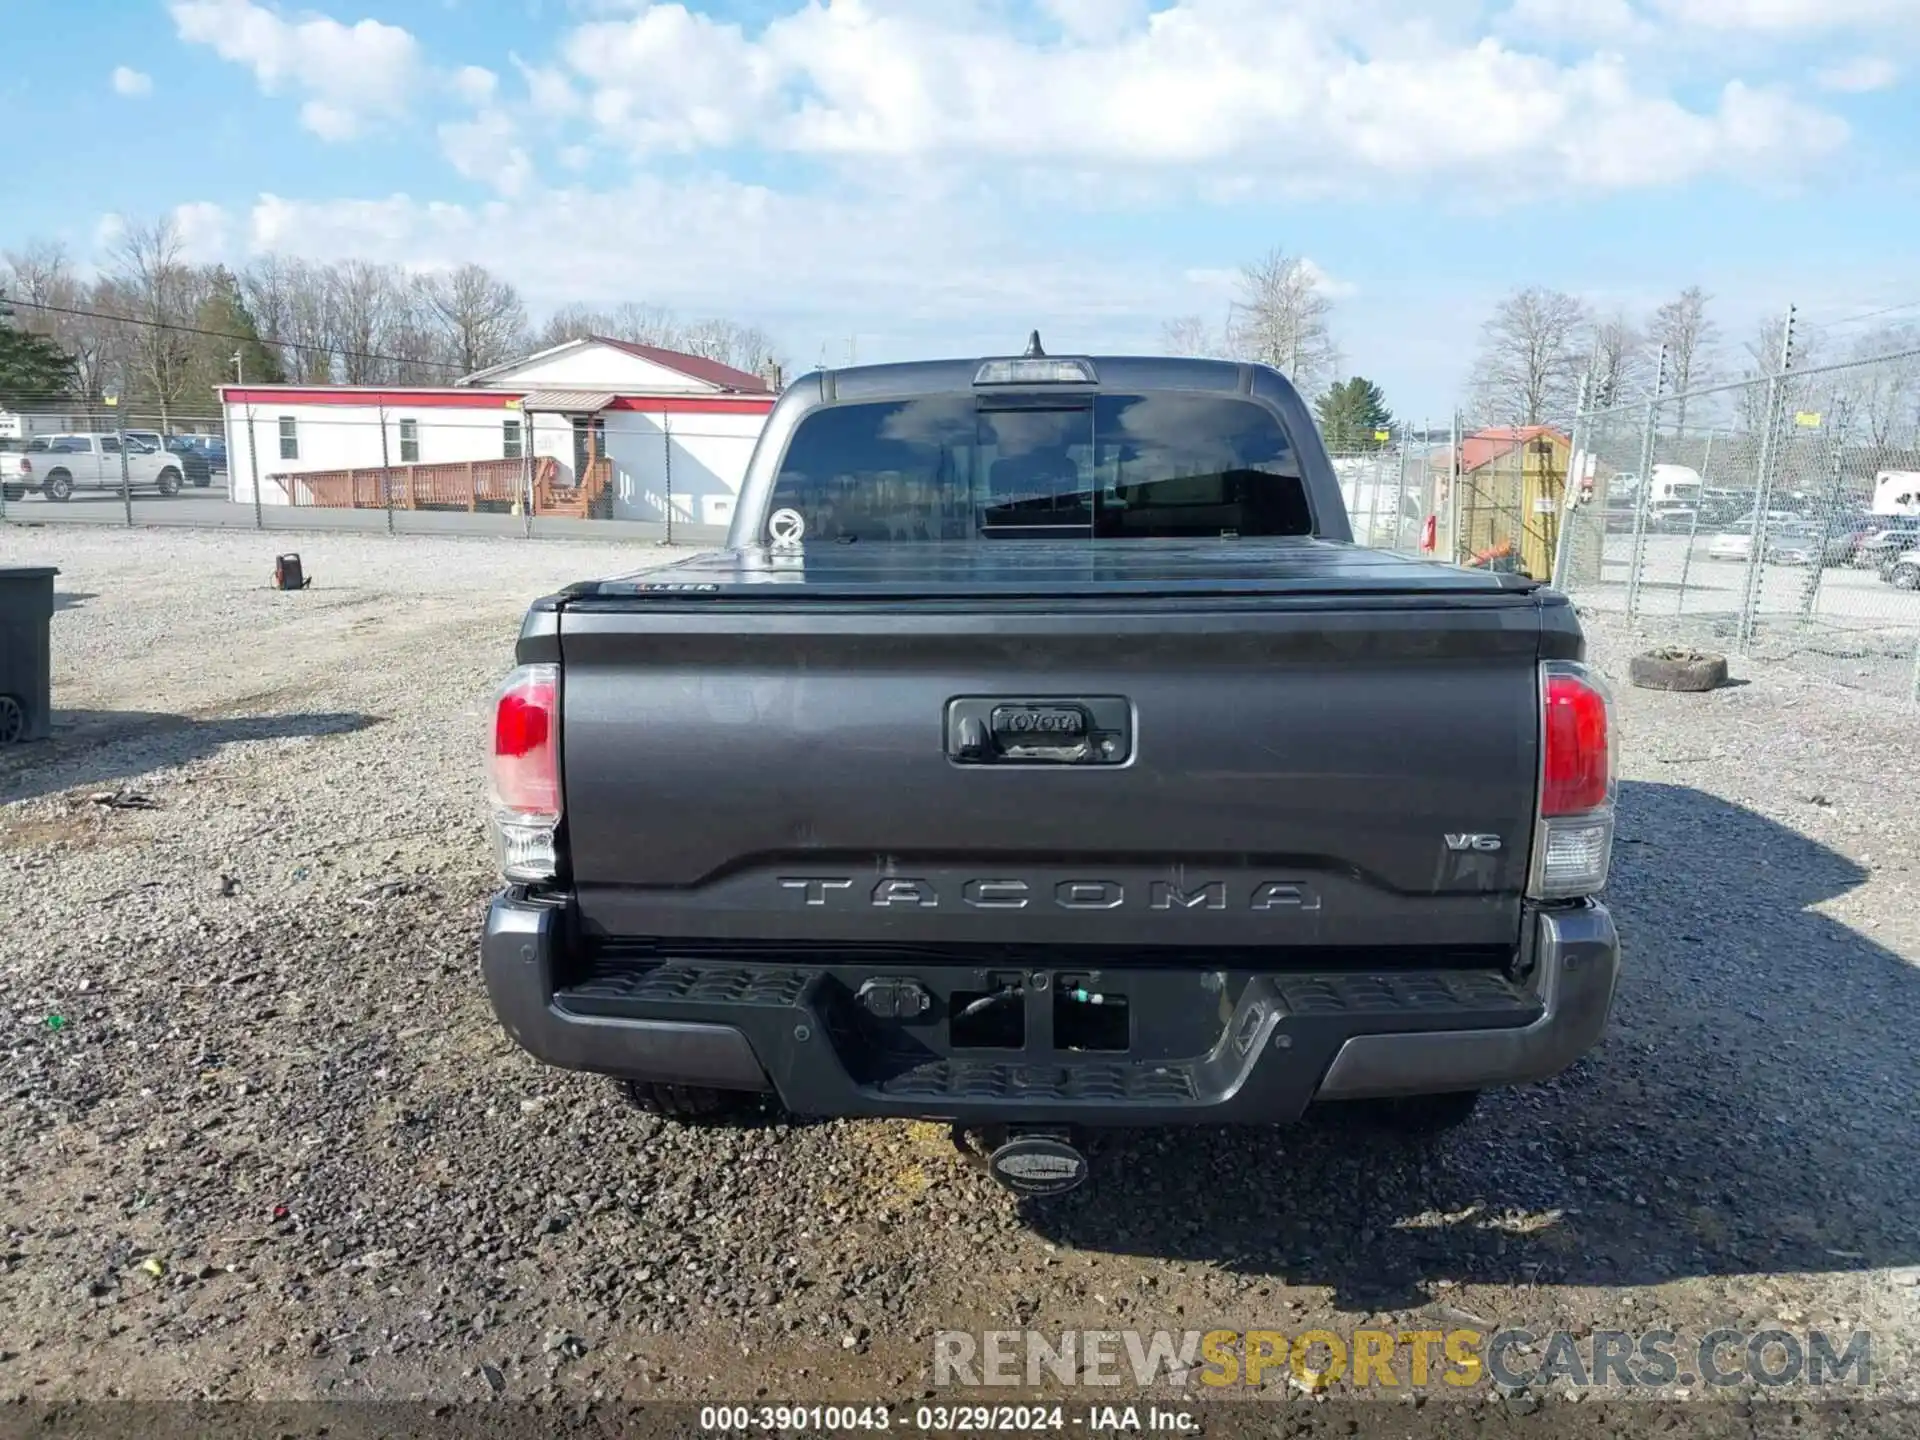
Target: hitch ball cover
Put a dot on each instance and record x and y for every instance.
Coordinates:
(1038, 1165)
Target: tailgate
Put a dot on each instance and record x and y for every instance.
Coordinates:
(1287, 771)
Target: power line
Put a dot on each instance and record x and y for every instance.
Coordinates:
(255, 339)
(1869, 315)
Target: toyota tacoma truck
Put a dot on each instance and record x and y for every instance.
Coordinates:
(1041, 754)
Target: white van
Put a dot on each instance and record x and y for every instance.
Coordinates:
(1896, 492)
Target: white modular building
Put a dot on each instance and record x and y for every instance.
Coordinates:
(594, 427)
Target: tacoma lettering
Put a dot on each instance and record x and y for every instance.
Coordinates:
(1165, 896)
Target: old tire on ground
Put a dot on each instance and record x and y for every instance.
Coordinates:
(1675, 667)
(59, 486)
(13, 720)
(693, 1104)
(170, 481)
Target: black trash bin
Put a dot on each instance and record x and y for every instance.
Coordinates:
(26, 655)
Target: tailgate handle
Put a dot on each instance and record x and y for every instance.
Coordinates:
(1006, 730)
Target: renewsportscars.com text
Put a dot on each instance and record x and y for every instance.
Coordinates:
(1390, 1359)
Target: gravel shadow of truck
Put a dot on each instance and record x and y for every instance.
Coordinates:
(1750, 1111)
(94, 748)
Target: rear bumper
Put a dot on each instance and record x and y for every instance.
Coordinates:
(1287, 1042)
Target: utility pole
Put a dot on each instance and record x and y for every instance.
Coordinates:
(239, 370)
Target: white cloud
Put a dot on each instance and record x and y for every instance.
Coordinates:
(549, 92)
(672, 80)
(1858, 76)
(475, 84)
(348, 75)
(1789, 15)
(701, 246)
(487, 148)
(1094, 19)
(1306, 98)
(130, 82)
(1606, 21)
(204, 229)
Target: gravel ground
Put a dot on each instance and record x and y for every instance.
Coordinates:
(276, 1148)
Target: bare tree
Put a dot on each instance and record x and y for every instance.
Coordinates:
(1689, 336)
(1188, 335)
(1764, 351)
(1532, 353)
(366, 305)
(159, 293)
(1619, 366)
(745, 347)
(1882, 394)
(1280, 318)
(51, 299)
(422, 352)
(482, 315)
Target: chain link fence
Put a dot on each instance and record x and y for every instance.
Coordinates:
(1777, 517)
(1392, 486)
(668, 475)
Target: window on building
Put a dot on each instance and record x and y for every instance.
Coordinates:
(409, 442)
(512, 447)
(289, 438)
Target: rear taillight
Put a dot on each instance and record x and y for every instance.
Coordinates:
(26, 466)
(1573, 840)
(523, 773)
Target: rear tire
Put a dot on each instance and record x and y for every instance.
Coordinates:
(1905, 577)
(169, 482)
(59, 486)
(691, 1104)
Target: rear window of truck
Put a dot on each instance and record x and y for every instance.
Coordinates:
(959, 467)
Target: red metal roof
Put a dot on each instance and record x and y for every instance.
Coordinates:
(1485, 446)
(478, 398)
(696, 366)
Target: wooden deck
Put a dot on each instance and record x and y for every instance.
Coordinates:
(458, 485)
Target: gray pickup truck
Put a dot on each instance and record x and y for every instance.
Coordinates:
(1040, 753)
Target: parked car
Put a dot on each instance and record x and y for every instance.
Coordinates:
(1788, 544)
(1903, 571)
(1891, 538)
(972, 866)
(193, 462)
(214, 447)
(1796, 545)
(58, 465)
(1672, 517)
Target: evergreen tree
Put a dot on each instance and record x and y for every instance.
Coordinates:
(34, 372)
(1351, 413)
(228, 327)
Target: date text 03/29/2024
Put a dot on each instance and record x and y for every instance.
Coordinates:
(945, 1419)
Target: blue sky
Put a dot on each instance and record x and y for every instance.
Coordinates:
(940, 176)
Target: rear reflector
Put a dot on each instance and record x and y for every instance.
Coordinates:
(523, 773)
(1573, 840)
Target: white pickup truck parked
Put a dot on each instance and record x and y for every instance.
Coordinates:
(58, 465)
